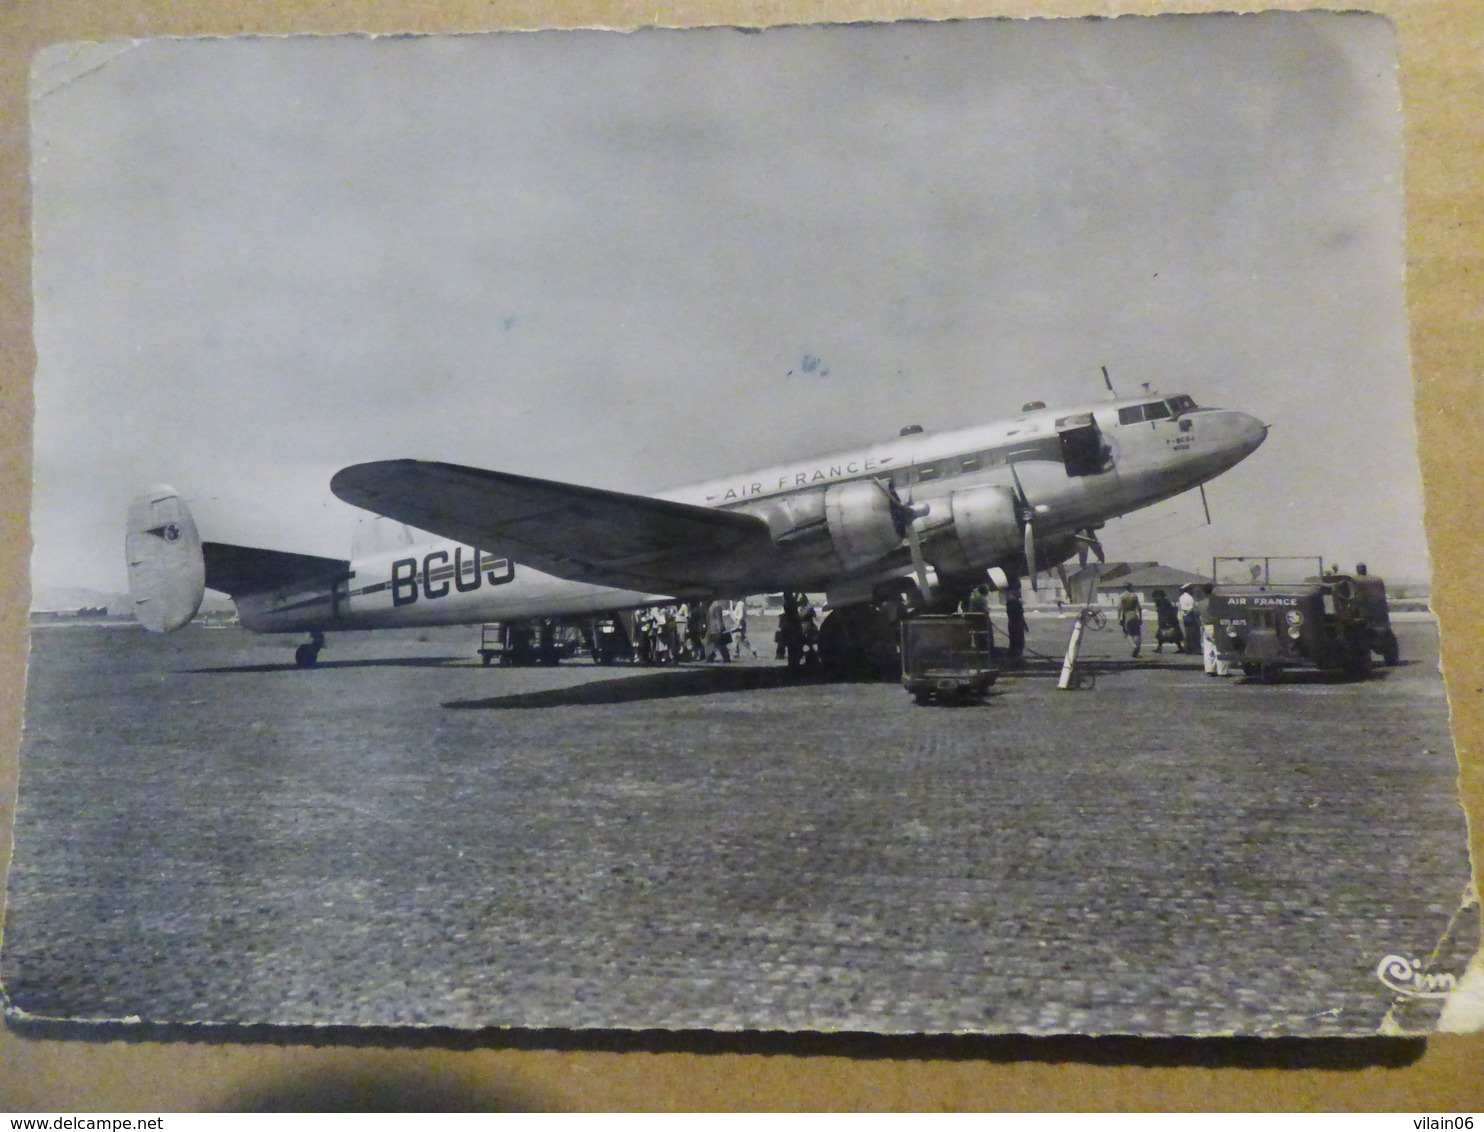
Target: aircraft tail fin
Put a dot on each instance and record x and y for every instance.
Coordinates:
(167, 573)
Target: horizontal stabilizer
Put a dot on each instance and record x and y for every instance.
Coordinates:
(239, 570)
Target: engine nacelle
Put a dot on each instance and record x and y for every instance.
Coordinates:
(983, 528)
(851, 523)
(859, 516)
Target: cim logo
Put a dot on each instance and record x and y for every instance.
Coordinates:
(1408, 977)
(439, 575)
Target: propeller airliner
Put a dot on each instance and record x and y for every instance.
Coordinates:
(913, 522)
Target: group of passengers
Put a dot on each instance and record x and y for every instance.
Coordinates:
(1189, 625)
(691, 631)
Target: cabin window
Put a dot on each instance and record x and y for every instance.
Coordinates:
(1181, 404)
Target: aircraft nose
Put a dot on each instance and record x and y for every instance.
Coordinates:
(1249, 433)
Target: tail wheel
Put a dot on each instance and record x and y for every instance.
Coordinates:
(306, 655)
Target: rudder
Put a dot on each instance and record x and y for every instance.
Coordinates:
(167, 573)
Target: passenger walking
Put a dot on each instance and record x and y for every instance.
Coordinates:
(717, 635)
(644, 636)
(1190, 617)
(790, 635)
(1131, 616)
(1167, 631)
(810, 633)
(662, 628)
(738, 626)
(695, 643)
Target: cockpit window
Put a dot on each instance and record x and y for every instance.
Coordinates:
(1155, 410)
(1136, 413)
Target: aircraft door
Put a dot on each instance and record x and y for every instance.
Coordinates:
(1084, 449)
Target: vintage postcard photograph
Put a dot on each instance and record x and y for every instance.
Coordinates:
(904, 528)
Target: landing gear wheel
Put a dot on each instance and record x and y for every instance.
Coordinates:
(862, 640)
(923, 698)
(307, 654)
(1390, 652)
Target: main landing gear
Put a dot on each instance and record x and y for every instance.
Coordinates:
(862, 640)
(307, 654)
(865, 640)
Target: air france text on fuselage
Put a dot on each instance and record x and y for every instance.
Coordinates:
(805, 479)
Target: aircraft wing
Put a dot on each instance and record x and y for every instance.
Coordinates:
(581, 533)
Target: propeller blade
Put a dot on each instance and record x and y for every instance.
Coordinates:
(1020, 495)
(905, 516)
(919, 565)
(1088, 540)
(1206, 505)
(1028, 521)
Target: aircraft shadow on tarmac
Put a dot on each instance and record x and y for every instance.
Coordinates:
(383, 662)
(657, 686)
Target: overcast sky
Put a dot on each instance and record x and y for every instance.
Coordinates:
(637, 260)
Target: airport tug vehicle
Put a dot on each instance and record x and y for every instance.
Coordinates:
(947, 657)
(1323, 619)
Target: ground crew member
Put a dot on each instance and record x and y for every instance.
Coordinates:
(1131, 616)
(1015, 621)
(1214, 664)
